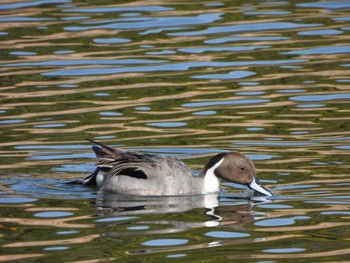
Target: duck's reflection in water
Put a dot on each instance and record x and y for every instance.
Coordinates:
(234, 214)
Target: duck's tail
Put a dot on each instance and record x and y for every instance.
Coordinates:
(89, 180)
(104, 154)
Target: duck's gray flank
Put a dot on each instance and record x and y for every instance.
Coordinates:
(135, 173)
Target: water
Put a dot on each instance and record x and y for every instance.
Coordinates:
(188, 79)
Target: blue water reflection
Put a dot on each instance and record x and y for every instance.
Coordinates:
(321, 32)
(143, 8)
(320, 51)
(23, 19)
(165, 242)
(245, 28)
(199, 50)
(326, 4)
(111, 40)
(224, 102)
(231, 75)
(31, 4)
(325, 97)
(166, 67)
(238, 38)
(149, 22)
(77, 62)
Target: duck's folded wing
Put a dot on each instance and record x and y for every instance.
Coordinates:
(111, 167)
(127, 168)
(145, 166)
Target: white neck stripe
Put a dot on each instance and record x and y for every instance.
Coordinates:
(211, 182)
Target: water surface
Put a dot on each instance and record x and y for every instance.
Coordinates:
(267, 78)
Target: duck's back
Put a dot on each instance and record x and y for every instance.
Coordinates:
(146, 174)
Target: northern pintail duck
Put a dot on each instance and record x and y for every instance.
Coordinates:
(135, 173)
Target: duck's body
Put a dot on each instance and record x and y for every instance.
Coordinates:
(134, 173)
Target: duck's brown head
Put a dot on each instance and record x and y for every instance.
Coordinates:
(237, 168)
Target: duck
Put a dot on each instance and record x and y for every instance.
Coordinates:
(143, 174)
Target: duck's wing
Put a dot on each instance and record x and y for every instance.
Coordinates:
(114, 161)
(137, 168)
(105, 155)
(145, 166)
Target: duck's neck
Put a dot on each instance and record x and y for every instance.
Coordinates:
(211, 181)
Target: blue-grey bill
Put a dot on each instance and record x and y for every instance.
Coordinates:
(256, 186)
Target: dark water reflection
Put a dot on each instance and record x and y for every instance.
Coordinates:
(187, 79)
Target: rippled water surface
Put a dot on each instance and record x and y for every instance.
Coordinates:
(182, 78)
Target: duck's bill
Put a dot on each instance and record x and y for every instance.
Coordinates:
(256, 186)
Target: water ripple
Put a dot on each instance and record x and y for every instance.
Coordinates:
(153, 22)
(184, 79)
(246, 28)
(159, 68)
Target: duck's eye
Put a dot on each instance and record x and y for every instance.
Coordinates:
(242, 168)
